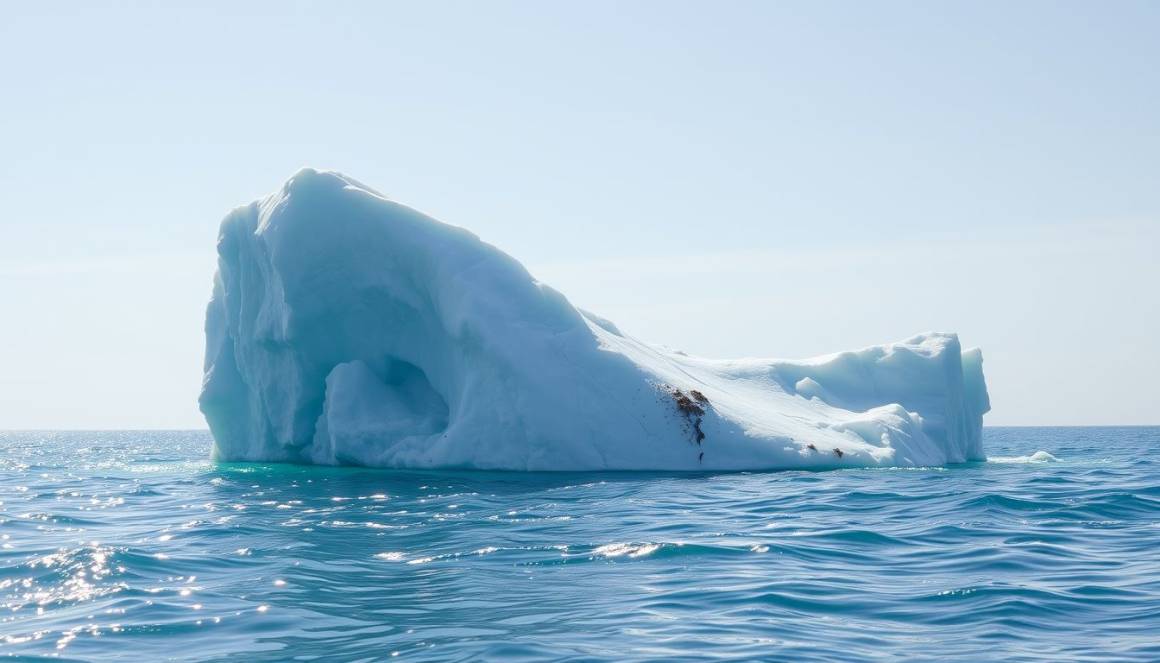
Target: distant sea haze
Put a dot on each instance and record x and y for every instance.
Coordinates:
(134, 541)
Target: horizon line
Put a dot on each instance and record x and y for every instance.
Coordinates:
(206, 430)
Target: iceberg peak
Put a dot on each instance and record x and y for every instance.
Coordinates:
(345, 328)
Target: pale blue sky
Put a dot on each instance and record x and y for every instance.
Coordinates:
(729, 178)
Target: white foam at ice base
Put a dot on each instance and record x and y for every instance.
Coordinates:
(345, 328)
(1037, 457)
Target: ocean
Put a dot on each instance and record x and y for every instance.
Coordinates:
(133, 545)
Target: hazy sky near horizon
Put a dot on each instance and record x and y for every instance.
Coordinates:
(733, 179)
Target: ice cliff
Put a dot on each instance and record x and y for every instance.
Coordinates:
(346, 328)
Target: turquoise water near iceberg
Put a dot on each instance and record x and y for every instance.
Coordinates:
(134, 546)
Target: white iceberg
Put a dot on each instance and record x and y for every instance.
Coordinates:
(345, 328)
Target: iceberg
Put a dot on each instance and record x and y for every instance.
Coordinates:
(345, 328)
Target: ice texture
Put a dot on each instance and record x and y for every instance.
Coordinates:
(346, 328)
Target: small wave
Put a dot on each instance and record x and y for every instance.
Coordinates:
(1037, 457)
(663, 549)
(622, 549)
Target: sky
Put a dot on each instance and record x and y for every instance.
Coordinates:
(771, 179)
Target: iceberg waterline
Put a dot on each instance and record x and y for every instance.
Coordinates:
(345, 328)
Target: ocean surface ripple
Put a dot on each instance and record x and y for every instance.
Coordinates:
(132, 545)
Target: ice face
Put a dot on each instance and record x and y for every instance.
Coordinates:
(347, 328)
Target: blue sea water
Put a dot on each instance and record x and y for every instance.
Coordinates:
(134, 546)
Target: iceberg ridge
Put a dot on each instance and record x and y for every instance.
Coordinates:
(345, 328)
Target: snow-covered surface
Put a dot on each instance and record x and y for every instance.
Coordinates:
(347, 328)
